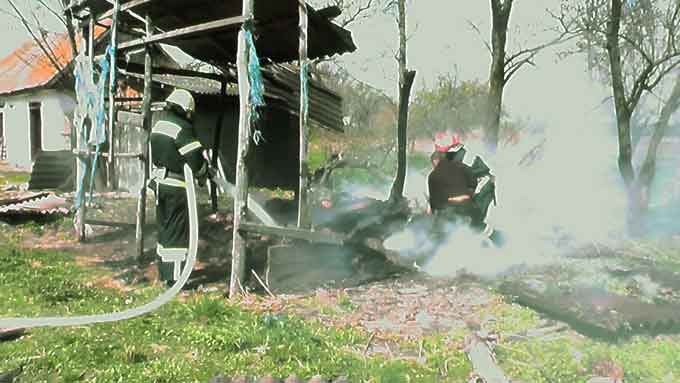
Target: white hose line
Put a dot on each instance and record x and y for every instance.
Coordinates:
(164, 298)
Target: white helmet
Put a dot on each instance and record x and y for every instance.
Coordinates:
(183, 99)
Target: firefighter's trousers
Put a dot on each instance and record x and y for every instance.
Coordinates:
(172, 217)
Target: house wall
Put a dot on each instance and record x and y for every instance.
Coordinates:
(56, 112)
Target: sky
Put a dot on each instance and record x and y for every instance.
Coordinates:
(442, 41)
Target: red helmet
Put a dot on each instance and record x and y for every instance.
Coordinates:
(443, 142)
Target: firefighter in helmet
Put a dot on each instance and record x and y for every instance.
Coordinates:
(455, 156)
(173, 144)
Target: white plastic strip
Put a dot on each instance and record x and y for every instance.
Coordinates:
(138, 311)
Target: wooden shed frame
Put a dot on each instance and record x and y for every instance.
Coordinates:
(92, 12)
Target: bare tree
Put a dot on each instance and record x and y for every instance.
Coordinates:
(505, 65)
(406, 78)
(634, 45)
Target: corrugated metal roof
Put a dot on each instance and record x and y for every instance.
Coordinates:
(281, 82)
(34, 204)
(276, 28)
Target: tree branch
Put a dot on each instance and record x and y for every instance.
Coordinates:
(642, 83)
(37, 40)
(479, 33)
(356, 14)
(53, 12)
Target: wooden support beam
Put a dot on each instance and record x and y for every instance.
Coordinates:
(304, 216)
(134, 70)
(80, 164)
(128, 99)
(217, 138)
(238, 253)
(295, 233)
(126, 7)
(229, 22)
(146, 124)
(80, 188)
(86, 154)
(111, 159)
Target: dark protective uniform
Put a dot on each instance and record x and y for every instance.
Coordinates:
(453, 179)
(485, 189)
(173, 143)
(462, 174)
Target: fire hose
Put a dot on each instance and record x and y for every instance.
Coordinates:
(253, 205)
(164, 298)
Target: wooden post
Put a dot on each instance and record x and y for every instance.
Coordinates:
(82, 211)
(146, 133)
(238, 253)
(81, 162)
(111, 173)
(217, 137)
(304, 219)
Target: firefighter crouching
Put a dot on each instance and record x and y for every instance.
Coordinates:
(173, 144)
(462, 185)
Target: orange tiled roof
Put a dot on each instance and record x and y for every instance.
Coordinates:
(28, 67)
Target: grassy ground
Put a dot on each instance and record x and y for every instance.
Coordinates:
(201, 335)
(188, 341)
(14, 178)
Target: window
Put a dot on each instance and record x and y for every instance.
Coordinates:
(35, 126)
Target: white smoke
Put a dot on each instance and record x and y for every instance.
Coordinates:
(571, 197)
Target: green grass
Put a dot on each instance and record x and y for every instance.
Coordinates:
(14, 178)
(206, 335)
(187, 342)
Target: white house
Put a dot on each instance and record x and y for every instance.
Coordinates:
(36, 102)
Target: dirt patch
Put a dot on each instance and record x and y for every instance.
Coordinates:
(406, 308)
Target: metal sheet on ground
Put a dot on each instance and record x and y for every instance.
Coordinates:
(307, 266)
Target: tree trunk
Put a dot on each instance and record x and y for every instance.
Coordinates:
(499, 33)
(402, 137)
(648, 169)
(623, 109)
(406, 79)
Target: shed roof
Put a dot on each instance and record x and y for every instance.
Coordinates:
(276, 27)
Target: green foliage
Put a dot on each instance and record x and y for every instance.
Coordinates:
(14, 178)
(450, 105)
(371, 115)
